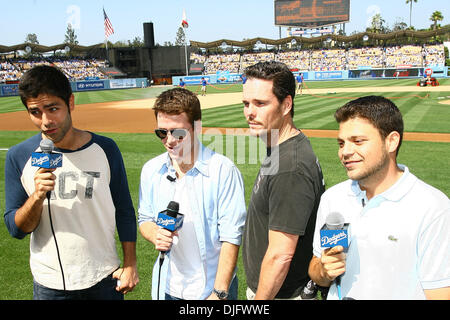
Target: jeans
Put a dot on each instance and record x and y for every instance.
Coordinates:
(232, 293)
(104, 290)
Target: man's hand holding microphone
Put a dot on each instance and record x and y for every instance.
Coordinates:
(164, 239)
(29, 215)
(169, 221)
(47, 162)
(44, 182)
(331, 265)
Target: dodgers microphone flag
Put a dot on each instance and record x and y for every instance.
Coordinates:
(47, 158)
(334, 232)
(170, 218)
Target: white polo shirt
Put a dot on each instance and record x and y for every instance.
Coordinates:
(399, 239)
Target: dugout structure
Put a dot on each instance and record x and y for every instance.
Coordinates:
(311, 13)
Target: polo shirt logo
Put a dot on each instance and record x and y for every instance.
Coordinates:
(392, 238)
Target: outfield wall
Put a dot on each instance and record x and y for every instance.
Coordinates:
(86, 85)
(362, 73)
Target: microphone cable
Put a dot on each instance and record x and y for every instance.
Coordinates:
(56, 242)
(338, 286)
(163, 254)
(161, 261)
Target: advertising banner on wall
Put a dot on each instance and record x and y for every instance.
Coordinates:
(122, 83)
(323, 75)
(10, 90)
(90, 85)
(227, 77)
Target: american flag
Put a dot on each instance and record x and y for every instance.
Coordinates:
(108, 26)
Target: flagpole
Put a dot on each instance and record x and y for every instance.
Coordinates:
(185, 52)
(185, 25)
(106, 45)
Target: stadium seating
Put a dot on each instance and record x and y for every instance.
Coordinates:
(75, 69)
(329, 59)
(314, 60)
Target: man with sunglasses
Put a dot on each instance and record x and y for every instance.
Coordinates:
(201, 263)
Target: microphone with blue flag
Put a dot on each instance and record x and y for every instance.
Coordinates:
(334, 232)
(47, 158)
(170, 219)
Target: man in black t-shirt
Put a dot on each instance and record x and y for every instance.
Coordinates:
(281, 214)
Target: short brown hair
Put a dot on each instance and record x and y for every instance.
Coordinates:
(282, 79)
(43, 79)
(177, 101)
(381, 112)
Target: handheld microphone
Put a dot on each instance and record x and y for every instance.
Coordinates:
(47, 145)
(335, 233)
(47, 158)
(169, 219)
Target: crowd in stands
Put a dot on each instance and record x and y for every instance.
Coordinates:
(75, 69)
(8, 72)
(434, 55)
(365, 57)
(226, 62)
(329, 59)
(295, 59)
(405, 55)
(302, 60)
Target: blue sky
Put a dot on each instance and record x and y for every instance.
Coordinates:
(209, 20)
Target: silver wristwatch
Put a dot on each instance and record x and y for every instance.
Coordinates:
(221, 294)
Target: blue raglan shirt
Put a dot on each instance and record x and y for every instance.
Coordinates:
(16, 195)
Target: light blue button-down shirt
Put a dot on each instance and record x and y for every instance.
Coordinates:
(216, 188)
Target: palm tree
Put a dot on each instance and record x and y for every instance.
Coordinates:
(410, 9)
(435, 17)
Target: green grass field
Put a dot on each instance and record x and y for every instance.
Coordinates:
(427, 160)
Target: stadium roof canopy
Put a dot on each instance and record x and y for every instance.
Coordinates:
(309, 40)
(41, 48)
(250, 42)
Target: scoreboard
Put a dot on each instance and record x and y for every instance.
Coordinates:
(311, 13)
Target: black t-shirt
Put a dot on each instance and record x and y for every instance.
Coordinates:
(285, 198)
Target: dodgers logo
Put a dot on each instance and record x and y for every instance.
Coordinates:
(39, 161)
(333, 240)
(165, 222)
(55, 162)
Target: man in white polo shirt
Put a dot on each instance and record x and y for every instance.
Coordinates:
(399, 225)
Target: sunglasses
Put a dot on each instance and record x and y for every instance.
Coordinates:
(178, 134)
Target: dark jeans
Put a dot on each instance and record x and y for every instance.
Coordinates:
(232, 293)
(104, 290)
